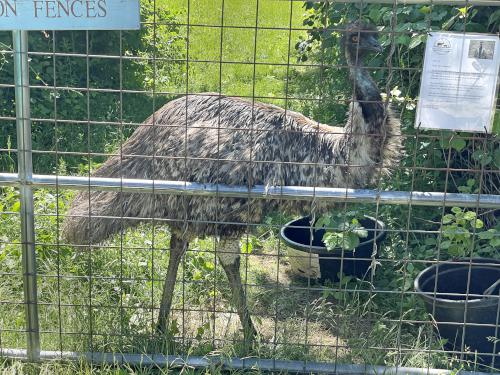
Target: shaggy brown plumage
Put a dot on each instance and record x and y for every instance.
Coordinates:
(210, 138)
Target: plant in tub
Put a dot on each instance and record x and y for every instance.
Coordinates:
(461, 294)
(342, 230)
(349, 245)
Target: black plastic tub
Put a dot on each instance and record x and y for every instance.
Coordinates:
(448, 304)
(297, 235)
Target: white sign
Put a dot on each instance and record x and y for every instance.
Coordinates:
(459, 82)
(69, 14)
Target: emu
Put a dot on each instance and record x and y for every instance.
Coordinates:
(209, 138)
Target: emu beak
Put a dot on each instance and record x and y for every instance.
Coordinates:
(374, 45)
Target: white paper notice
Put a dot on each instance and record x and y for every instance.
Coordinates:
(459, 82)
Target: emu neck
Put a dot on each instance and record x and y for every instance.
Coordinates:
(367, 125)
(366, 92)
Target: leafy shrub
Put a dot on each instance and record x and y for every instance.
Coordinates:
(342, 230)
(464, 234)
(73, 73)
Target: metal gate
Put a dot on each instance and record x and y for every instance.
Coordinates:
(104, 327)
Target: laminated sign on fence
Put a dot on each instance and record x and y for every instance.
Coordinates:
(69, 14)
(459, 82)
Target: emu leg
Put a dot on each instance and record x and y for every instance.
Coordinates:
(177, 249)
(229, 256)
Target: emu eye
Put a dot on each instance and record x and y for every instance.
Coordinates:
(355, 38)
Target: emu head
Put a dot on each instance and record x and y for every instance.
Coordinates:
(360, 38)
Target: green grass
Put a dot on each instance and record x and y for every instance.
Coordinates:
(111, 311)
(83, 368)
(238, 46)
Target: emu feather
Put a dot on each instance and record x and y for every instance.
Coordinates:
(212, 139)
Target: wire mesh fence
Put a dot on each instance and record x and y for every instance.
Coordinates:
(159, 240)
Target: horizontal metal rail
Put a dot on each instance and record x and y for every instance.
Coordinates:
(162, 360)
(258, 191)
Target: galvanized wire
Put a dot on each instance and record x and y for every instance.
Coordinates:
(311, 196)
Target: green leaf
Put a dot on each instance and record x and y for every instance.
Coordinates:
(199, 332)
(323, 221)
(456, 210)
(417, 40)
(350, 241)
(482, 156)
(425, 9)
(174, 327)
(494, 17)
(476, 155)
(464, 189)
(403, 40)
(332, 240)
(470, 215)
(344, 226)
(16, 206)
(495, 242)
(430, 241)
(479, 224)
(458, 144)
(448, 24)
(487, 235)
(410, 267)
(447, 219)
(496, 124)
(408, 284)
(246, 247)
(375, 13)
(438, 16)
(497, 157)
(476, 27)
(487, 159)
(445, 244)
(361, 232)
(208, 265)
(456, 250)
(338, 295)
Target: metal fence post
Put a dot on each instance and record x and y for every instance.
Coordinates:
(25, 172)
